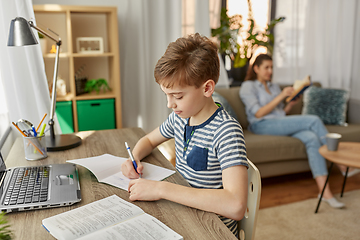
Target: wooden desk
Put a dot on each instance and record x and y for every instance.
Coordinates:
(188, 222)
(348, 154)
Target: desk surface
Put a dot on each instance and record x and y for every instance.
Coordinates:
(348, 154)
(188, 222)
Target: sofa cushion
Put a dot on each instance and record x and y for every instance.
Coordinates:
(329, 104)
(220, 99)
(267, 148)
(233, 97)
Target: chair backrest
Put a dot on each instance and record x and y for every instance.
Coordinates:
(247, 225)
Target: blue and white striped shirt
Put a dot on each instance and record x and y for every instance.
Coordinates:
(203, 151)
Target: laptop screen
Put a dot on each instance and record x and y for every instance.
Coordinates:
(2, 166)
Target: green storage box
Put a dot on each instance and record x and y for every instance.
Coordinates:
(96, 114)
(65, 116)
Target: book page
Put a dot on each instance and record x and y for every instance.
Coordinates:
(150, 172)
(107, 169)
(101, 166)
(141, 227)
(90, 218)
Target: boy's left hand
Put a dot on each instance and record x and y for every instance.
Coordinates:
(144, 190)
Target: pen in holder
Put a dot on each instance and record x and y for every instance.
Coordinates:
(35, 147)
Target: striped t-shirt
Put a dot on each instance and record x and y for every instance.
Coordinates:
(203, 151)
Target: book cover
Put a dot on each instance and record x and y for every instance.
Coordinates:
(299, 87)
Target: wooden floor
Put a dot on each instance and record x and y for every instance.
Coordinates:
(297, 187)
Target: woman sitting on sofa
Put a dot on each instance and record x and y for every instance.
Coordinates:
(267, 115)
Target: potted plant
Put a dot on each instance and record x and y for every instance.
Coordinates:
(42, 43)
(240, 44)
(96, 85)
(5, 232)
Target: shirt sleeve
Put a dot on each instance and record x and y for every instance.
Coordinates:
(249, 96)
(167, 127)
(230, 145)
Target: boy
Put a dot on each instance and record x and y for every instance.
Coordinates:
(209, 143)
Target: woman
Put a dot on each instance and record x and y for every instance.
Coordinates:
(264, 102)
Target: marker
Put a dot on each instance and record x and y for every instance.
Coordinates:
(42, 130)
(35, 133)
(132, 158)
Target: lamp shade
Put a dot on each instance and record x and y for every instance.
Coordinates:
(20, 33)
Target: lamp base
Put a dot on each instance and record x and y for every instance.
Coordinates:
(62, 142)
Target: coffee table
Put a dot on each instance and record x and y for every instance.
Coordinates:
(348, 154)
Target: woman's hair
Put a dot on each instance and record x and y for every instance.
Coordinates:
(190, 61)
(251, 75)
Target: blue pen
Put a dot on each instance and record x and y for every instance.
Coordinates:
(35, 133)
(132, 158)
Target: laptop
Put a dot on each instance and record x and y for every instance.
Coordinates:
(38, 187)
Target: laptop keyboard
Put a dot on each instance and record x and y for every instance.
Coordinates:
(28, 185)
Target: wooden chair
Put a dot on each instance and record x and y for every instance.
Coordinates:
(247, 225)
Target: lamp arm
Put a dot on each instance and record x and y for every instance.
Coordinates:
(44, 33)
(53, 95)
(56, 67)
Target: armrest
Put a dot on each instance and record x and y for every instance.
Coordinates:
(353, 111)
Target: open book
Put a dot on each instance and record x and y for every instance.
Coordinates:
(107, 169)
(299, 87)
(108, 218)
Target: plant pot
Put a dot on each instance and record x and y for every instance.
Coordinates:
(43, 45)
(238, 74)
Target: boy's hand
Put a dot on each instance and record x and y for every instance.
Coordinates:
(144, 190)
(127, 168)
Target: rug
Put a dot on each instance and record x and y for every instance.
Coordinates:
(298, 220)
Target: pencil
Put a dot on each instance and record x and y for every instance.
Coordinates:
(29, 140)
(37, 129)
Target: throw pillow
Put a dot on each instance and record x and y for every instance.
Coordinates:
(329, 104)
(220, 99)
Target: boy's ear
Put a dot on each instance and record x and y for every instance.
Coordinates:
(209, 88)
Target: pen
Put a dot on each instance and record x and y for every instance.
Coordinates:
(132, 158)
(35, 133)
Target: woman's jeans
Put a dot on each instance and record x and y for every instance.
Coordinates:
(308, 128)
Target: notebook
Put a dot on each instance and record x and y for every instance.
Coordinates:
(37, 187)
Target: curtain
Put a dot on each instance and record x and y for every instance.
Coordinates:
(318, 38)
(22, 69)
(151, 26)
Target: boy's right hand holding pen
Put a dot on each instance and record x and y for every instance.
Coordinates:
(131, 168)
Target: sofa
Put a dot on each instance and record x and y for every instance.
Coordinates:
(281, 155)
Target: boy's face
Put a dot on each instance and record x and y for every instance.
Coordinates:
(185, 101)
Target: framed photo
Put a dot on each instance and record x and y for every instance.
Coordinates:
(89, 45)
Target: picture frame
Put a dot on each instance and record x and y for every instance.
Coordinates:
(88, 45)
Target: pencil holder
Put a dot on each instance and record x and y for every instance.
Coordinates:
(35, 147)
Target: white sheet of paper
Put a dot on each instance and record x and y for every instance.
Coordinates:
(107, 169)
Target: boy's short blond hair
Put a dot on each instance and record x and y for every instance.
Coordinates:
(190, 61)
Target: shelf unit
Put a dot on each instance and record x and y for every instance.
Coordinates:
(71, 22)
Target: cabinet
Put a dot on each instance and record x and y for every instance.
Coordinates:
(72, 23)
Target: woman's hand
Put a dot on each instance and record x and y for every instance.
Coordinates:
(287, 91)
(127, 168)
(144, 190)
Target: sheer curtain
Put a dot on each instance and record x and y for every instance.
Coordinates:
(22, 69)
(319, 38)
